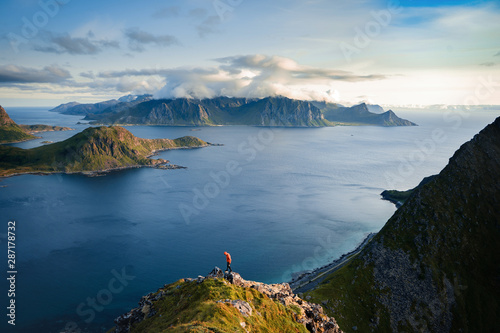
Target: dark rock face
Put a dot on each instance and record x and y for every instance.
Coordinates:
(434, 265)
(169, 113)
(270, 111)
(287, 112)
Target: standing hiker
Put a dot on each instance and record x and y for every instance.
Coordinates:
(228, 260)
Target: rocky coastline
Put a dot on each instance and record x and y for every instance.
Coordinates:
(304, 281)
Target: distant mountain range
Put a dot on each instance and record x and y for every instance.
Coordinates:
(75, 108)
(361, 114)
(269, 111)
(434, 266)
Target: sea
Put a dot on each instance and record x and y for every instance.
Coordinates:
(279, 200)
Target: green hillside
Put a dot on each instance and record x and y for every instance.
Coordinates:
(434, 266)
(94, 149)
(10, 131)
(219, 303)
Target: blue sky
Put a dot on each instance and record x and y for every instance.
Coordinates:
(386, 52)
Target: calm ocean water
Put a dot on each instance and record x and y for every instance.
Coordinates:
(279, 200)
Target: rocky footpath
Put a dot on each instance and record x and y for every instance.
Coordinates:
(308, 314)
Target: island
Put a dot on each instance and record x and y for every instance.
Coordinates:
(38, 128)
(93, 151)
(222, 110)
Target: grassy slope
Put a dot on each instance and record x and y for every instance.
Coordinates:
(448, 232)
(13, 133)
(193, 307)
(10, 131)
(94, 149)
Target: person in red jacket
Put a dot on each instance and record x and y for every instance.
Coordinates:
(228, 260)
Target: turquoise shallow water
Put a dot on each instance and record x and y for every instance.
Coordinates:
(279, 200)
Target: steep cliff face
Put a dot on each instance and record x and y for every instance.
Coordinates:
(287, 112)
(434, 265)
(10, 131)
(180, 111)
(224, 303)
(271, 111)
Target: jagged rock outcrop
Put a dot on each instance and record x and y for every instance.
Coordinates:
(434, 265)
(310, 315)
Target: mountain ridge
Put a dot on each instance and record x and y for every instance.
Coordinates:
(268, 111)
(361, 114)
(433, 267)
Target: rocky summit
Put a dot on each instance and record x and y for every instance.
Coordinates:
(224, 302)
(434, 266)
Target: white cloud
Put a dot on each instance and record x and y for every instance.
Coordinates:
(138, 38)
(253, 76)
(25, 75)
